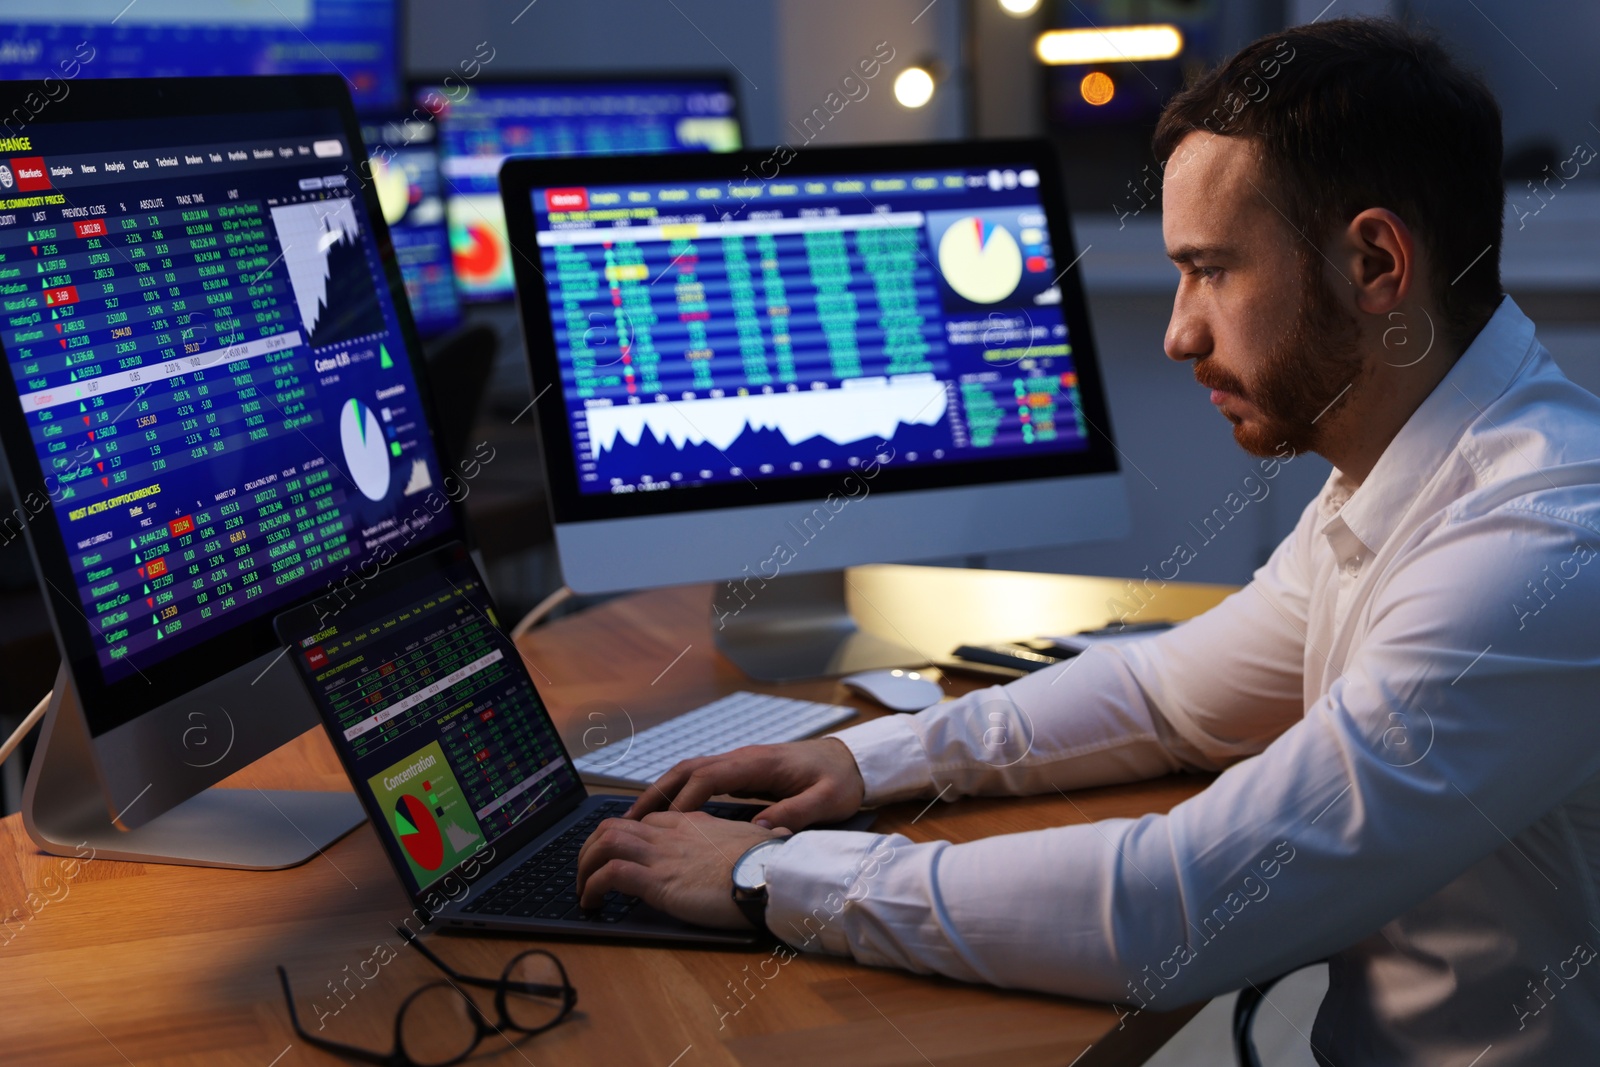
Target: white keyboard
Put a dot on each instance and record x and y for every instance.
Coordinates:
(735, 720)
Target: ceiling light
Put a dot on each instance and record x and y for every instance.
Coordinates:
(913, 87)
(1097, 88)
(1111, 44)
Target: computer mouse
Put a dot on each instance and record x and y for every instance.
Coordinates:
(896, 690)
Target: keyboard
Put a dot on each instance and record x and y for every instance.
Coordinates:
(545, 885)
(735, 720)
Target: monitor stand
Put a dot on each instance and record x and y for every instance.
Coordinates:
(65, 812)
(789, 628)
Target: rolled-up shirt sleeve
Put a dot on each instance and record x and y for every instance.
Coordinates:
(1449, 732)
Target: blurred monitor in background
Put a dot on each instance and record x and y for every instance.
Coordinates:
(484, 121)
(403, 154)
(66, 39)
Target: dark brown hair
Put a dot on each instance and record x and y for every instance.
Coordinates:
(1359, 113)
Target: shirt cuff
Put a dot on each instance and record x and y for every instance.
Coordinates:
(809, 884)
(889, 753)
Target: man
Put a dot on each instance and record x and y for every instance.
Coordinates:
(1402, 700)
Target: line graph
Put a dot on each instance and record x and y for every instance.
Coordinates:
(324, 253)
(842, 416)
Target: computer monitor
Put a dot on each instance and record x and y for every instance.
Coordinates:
(69, 39)
(774, 363)
(404, 171)
(483, 121)
(212, 411)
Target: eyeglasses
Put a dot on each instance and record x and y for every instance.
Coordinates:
(439, 1025)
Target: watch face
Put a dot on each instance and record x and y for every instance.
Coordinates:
(750, 872)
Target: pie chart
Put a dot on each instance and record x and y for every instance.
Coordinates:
(366, 453)
(418, 832)
(479, 247)
(980, 260)
(478, 255)
(393, 188)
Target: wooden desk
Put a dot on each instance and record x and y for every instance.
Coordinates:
(115, 963)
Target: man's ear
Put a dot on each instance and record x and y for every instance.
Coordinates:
(1382, 253)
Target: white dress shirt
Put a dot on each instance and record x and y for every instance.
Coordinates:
(1405, 701)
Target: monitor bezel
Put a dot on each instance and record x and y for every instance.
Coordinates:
(107, 705)
(547, 79)
(520, 176)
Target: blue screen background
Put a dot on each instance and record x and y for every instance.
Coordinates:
(356, 38)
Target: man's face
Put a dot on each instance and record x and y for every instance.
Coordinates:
(1268, 336)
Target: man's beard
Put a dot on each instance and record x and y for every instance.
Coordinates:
(1300, 378)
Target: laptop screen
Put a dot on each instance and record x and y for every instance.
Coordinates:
(432, 712)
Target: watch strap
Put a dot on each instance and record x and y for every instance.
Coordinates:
(754, 907)
(753, 902)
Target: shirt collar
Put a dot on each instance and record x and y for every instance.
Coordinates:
(1360, 520)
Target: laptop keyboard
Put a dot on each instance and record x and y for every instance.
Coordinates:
(544, 886)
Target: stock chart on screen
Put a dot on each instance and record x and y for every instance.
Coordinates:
(210, 367)
(482, 123)
(433, 714)
(718, 332)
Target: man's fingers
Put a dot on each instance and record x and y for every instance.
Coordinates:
(732, 773)
(660, 793)
(623, 876)
(795, 813)
(612, 839)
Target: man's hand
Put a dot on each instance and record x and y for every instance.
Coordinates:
(678, 863)
(814, 781)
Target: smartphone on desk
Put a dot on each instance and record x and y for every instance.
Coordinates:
(1016, 658)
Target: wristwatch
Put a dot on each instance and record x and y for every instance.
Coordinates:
(750, 881)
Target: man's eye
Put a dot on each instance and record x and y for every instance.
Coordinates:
(1204, 272)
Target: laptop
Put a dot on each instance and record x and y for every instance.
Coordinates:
(474, 797)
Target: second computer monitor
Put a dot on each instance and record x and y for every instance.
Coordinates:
(482, 122)
(783, 362)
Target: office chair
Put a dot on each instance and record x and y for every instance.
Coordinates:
(458, 376)
(1245, 1007)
